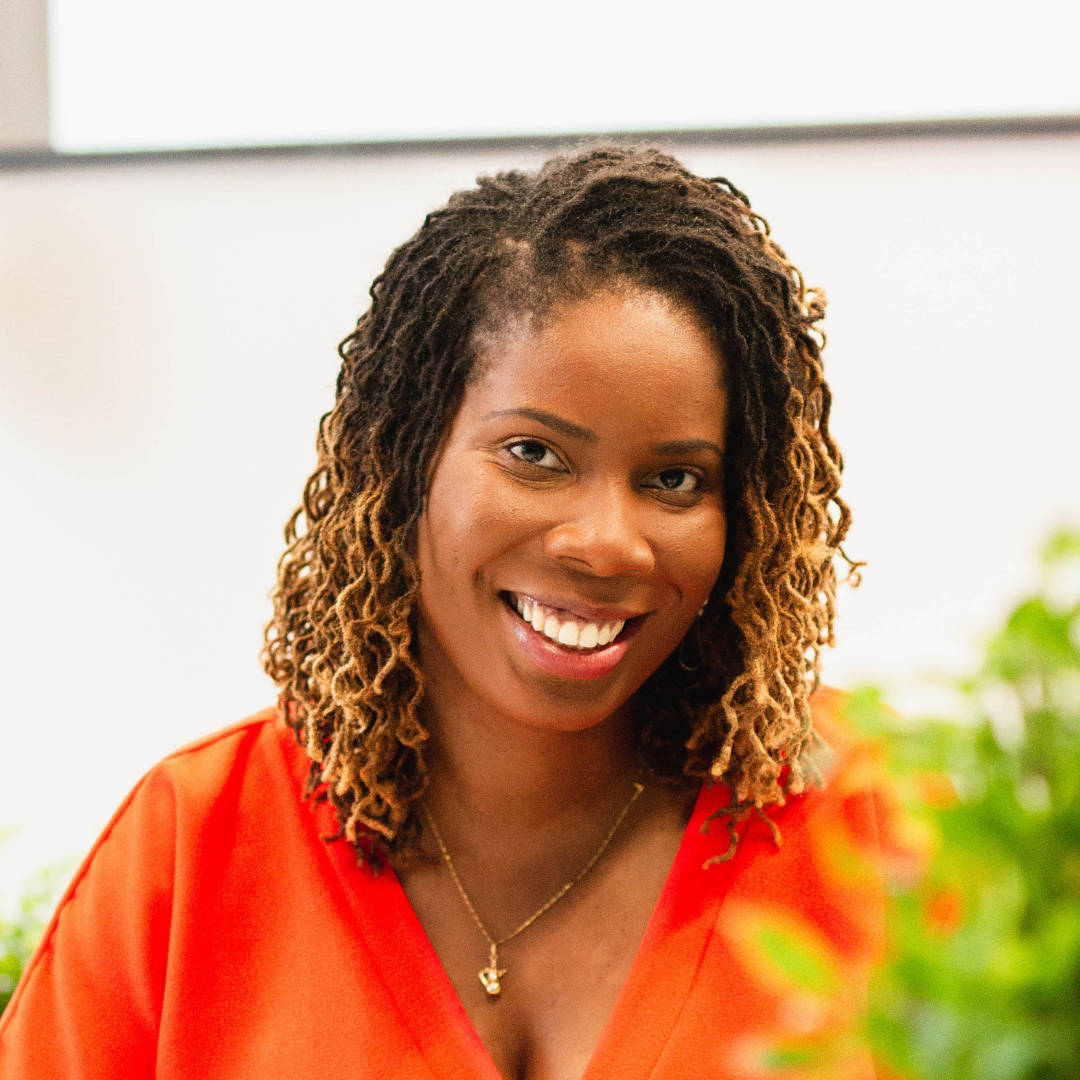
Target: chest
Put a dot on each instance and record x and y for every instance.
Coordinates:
(563, 974)
(323, 968)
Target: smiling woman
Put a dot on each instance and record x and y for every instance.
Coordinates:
(553, 604)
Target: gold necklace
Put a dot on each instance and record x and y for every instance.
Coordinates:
(490, 976)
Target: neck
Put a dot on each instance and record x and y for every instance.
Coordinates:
(487, 767)
(508, 771)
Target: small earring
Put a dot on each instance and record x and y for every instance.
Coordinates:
(682, 657)
(701, 610)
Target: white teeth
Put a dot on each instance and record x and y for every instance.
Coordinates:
(570, 633)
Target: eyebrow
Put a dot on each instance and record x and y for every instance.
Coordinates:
(556, 423)
(686, 446)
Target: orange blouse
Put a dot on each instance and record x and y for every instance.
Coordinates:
(211, 933)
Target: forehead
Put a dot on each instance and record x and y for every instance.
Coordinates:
(630, 357)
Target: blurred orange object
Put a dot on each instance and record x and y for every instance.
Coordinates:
(935, 790)
(944, 911)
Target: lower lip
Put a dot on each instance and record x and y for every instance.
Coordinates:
(569, 663)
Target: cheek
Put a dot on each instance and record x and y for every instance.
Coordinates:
(467, 523)
(697, 555)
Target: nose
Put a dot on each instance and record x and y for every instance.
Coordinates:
(602, 537)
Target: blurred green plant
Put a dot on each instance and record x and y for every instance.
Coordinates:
(983, 979)
(20, 935)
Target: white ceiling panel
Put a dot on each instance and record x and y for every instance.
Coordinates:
(127, 74)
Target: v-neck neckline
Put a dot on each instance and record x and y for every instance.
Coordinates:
(648, 1003)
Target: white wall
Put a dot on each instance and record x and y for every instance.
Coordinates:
(167, 338)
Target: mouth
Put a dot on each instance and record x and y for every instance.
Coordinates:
(567, 628)
(579, 644)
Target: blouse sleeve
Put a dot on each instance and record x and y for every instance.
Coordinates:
(89, 1003)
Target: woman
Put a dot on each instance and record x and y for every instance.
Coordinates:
(546, 634)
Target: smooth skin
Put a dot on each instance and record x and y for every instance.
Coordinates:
(584, 466)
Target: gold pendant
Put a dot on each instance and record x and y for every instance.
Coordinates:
(490, 976)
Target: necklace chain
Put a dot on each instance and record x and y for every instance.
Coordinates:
(491, 975)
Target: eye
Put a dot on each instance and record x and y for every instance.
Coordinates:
(533, 452)
(680, 481)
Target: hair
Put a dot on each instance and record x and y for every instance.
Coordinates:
(340, 644)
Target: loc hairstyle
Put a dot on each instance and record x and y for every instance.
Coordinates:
(340, 644)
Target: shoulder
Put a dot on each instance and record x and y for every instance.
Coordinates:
(802, 922)
(828, 836)
(188, 802)
(814, 861)
(191, 791)
(209, 793)
(100, 967)
(203, 768)
(222, 749)
(847, 770)
(190, 781)
(835, 833)
(842, 759)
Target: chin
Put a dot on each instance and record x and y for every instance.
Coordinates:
(556, 704)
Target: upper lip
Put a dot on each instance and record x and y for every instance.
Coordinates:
(582, 609)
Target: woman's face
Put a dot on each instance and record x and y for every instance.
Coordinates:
(575, 518)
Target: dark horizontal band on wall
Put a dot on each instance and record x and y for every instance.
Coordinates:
(976, 127)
